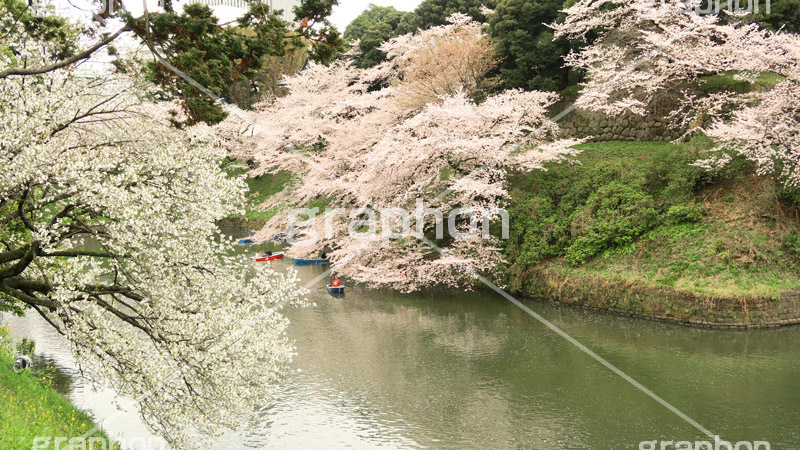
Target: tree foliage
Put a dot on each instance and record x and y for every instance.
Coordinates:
(51, 28)
(213, 56)
(369, 17)
(431, 13)
(216, 57)
(265, 84)
(108, 231)
(377, 24)
(316, 28)
(352, 139)
(783, 15)
(530, 57)
(393, 24)
(457, 62)
(675, 48)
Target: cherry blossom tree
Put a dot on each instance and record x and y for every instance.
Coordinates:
(107, 230)
(433, 65)
(647, 49)
(353, 140)
(767, 133)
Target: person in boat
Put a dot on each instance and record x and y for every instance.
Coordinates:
(323, 254)
(335, 282)
(266, 254)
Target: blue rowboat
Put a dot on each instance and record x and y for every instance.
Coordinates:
(246, 241)
(306, 262)
(279, 238)
(335, 289)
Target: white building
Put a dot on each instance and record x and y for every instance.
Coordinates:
(228, 10)
(286, 5)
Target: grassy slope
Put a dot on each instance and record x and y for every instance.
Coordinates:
(261, 188)
(727, 81)
(735, 249)
(29, 408)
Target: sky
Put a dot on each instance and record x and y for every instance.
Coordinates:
(350, 9)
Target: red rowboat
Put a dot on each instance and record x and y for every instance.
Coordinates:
(266, 258)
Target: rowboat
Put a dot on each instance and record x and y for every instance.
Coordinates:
(335, 289)
(306, 262)
(266, 258)
(279, 238)
(245, 241)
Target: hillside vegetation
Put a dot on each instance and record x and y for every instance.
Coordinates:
(31, 408)
(640, 213)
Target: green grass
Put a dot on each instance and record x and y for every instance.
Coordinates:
(260, 189)
(618, 192)
(30, 408)
(720, 82)
(728, 235)
(707, 258)
(727, 81)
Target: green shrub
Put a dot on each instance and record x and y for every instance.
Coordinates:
(791, 242)
(724, 82)
(689, 212)
(5, 343)
(26, 347)
(789, 195)
(573, 90)
(619, 191)
(612, 217)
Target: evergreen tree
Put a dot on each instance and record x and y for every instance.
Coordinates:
(529, 57)
(394, 24)
(53, 29)
(216, 57)
(213, 56)
(784, 14)
(431, 13)
(371, 16)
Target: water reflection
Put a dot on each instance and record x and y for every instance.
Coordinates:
(469, 370)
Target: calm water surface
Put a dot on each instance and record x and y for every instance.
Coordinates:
(449, 370)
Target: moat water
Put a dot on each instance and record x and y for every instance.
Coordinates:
(452, 370)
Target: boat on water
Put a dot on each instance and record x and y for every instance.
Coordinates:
(279, 238)
(245, 241)
(266, 258)
(335, 289)
(306, 262)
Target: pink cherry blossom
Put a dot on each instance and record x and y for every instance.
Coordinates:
(349, 136)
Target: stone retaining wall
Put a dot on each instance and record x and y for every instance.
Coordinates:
(663, 304)
(627, 127)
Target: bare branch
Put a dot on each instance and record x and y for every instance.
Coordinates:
(66, 62)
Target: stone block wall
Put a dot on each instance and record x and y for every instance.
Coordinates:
(662, 303)
(626, 127)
